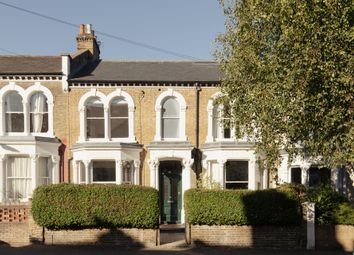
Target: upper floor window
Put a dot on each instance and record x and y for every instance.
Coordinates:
(119, 118)
(94, 118)
(38, 113)
(170, 109)
(26, 111)
(108, 117)
(170, 118)
(221, 123)
(14, 112)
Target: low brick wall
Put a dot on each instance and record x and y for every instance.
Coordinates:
(334, 237)
(14, 227)
(119, 237)
(249, 236)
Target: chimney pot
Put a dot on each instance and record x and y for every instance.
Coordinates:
(88, 29)
(82, 29)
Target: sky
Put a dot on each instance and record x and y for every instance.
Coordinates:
(186, 27)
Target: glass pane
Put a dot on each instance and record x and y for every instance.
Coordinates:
(95, 128)
(127, 172)
(14, 122)
(237, 171)
(227, 133)
(237, 185)
(94, 108)
(82, 172)
(170, 108)
(39, 122)
(296, 175)
(170, 128)
(119, 108)
(103, 171)
(18, 177)
(119, 128)
(13, 102)
(43, 169)
(38, 103)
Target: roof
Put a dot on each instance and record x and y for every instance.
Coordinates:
(149, 71)
(18, 65)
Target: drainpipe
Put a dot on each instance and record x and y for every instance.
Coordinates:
(197, 155)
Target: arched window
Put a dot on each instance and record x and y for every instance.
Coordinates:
(170, 118)
(38, 113)
(94, 118)
(119, 118)
(14, 112)
(221, 122)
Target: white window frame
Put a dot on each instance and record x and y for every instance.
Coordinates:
(106, 100)
(248, 173)
(102, 182)
(211, 122)
(182, 115)
(26, 95)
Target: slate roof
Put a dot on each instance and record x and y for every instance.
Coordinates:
(12, 65)
(149, 71)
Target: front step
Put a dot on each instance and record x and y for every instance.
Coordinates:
(172, 233)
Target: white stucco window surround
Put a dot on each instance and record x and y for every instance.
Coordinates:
(170, 110)
(176, 151)
(25, 164)
(106, 163)
(216, 158)
(113, 115)
(31, 113)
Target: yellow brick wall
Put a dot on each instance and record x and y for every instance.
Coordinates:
(67, 121)
(145, 116)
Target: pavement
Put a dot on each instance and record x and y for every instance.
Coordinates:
(163, 249)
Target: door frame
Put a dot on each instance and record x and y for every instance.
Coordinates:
(179, 206)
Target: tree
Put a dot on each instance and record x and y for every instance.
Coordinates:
(287, 74)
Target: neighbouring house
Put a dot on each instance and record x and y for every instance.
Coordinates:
(77, 118)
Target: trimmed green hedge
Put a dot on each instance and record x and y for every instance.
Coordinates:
(72, 206)
(236, 207)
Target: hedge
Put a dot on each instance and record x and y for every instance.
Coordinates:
(236, 207)
(330, 206)
(73, 206)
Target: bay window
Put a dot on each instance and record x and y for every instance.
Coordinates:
(236, 174)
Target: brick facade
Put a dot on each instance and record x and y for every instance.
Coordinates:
(249, 236)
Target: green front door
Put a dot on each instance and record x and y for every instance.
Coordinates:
(170, 187)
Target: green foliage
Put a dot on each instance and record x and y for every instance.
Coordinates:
(287, 76)
(344, 214)
(71, 206)
(236, 207)
(298, 190)
(327, 201)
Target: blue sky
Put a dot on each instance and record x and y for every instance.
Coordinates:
(188, 27)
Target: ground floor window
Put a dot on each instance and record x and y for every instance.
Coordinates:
(319, 176)
(236, 174)
(18, 173)
(44, 172)
(128, 170)
(296, 175)
(103, 171)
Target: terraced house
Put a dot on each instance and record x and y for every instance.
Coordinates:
(77, 118)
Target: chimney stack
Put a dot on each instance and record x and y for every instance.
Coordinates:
(86, 40)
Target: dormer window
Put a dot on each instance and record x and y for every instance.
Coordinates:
(14, 112)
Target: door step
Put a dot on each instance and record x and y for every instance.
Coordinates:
(172, 233)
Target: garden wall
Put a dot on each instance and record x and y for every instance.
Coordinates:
(334, 237)
(293, 237)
